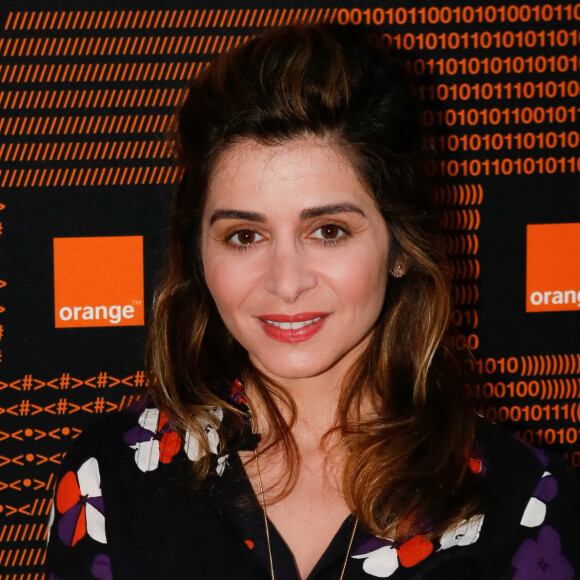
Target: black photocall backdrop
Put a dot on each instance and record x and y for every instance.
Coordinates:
(86, 92)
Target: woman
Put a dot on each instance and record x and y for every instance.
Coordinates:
(304, 419)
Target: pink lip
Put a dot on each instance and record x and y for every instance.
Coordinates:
(290, 335)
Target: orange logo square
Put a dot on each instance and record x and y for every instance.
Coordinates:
(98, 281)
(553, 267)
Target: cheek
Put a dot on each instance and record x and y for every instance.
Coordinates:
(362, 280)
(228, 283)
(219, 283)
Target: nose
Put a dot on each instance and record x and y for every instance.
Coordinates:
(288, 273)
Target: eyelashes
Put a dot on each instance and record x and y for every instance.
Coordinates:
(330, 234)
(245, 238)
(327, 235)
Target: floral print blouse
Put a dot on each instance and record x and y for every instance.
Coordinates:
(123, 509)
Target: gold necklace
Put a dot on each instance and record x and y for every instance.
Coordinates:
(267, 527)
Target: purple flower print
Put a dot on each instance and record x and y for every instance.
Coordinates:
(547, 488)
(372, 544)
(101, 567)
(541, 456)
(542, 559)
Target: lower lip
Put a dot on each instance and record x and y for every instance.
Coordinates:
(289, 335)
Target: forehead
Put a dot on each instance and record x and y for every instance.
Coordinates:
(295, 173)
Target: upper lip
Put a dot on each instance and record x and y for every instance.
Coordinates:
(299, 317)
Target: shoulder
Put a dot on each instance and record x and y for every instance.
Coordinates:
(508, 462)
(100, 439)
(534, 502)
(513, 467)
(124, 488)
(144, 435)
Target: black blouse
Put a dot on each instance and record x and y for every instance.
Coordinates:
(124, 509)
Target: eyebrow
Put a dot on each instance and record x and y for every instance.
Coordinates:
(313, 212)
(236, 214)
(330, 209)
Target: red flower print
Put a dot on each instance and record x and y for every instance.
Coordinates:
(414, 551)
(153, 439)
(79, 500)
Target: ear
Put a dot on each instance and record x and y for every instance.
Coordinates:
(399, 268)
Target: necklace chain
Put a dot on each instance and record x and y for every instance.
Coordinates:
(267, 527)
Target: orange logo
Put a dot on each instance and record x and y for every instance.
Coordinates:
(98, 281)
(553, 267)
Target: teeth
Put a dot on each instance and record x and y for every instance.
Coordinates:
(293, 325)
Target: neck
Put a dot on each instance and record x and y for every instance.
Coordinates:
(316, 403)
(316, 397)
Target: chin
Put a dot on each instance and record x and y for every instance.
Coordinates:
(296, 374)
(293, 370)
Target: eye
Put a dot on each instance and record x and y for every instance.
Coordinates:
(329, 233)
(245, 238)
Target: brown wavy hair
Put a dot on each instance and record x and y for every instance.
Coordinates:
(408, 464)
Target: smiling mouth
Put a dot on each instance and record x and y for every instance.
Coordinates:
(292, 325)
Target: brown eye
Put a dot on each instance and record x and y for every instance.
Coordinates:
(246, 238)
(329, 232)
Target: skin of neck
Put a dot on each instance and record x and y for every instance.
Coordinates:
(316, 399)
(316, 403)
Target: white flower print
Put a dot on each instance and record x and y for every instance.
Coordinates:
(191, 442)
(466, 533)
(380, 563)
(535, 512)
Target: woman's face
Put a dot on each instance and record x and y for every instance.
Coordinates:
(295, 254)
